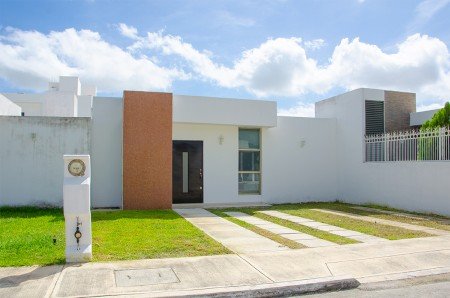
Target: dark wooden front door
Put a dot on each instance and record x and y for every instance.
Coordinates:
(187, 179)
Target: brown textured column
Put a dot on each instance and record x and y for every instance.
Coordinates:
(147, 150)
(397, 106)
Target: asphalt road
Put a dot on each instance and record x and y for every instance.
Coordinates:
(438, 289)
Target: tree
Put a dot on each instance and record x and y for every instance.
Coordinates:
(440, 119)
(427, 147)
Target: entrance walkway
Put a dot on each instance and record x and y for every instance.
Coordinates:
(234, 237)
(302, 238)
(325, 227)
(387, 222)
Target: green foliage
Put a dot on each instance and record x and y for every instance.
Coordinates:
(440, 119)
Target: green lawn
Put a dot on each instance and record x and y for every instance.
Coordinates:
(26, 236)
(370, 228)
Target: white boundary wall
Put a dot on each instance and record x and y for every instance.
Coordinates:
(31, 157)
(411, 185)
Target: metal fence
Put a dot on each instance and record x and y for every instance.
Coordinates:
(409, 146)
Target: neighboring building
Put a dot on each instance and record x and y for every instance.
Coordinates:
(151, 150)
(66, 98)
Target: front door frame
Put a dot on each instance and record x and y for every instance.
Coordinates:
(195, 192)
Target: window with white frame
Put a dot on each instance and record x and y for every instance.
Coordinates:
(249, 161)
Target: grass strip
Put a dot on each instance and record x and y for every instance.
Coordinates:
(294, 226)
(365, 227)
(272, 236)
(427, 220)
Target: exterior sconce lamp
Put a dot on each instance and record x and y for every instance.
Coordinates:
(302, 143)
(221, 139)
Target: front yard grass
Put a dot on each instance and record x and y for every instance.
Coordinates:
(303, 229)
(26, 236)
(427, 220)
(375, 229)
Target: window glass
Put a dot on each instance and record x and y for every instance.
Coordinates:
(249, 183)
(249, 139)
(249, 161)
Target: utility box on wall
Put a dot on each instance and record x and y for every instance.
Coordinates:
(77, 208)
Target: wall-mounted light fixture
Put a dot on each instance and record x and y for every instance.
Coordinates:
(302, 143)
(221, 139)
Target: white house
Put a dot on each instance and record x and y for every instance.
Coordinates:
(151, 150)
(66, 98)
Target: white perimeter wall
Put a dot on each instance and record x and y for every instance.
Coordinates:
(31, 157)
(290, 172)
(299, 161)
(106, 152)
(416, 186)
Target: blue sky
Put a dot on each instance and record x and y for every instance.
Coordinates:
(295, 52)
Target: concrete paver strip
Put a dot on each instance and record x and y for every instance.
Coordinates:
(302, 238)
(402, 214)
(325, 227)
(387, 222)
(232, 236)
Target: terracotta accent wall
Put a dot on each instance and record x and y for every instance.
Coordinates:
(397, 106)
(147, 150)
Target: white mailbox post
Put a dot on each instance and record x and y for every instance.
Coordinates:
(77, 208)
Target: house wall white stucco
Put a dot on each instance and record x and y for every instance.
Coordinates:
(213, 110)
(297, 161)
(106, 152)
(65, 98)
(31, 171)
(8, 108)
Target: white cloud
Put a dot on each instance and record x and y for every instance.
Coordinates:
(315, 44)
(424, 11)
(277, 67)
(281, 66)
(128, 31)
(433, 106)
(299, 110)
(30, 59)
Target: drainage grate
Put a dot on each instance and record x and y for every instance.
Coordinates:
(145, 277)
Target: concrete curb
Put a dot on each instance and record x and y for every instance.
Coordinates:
(283, 289)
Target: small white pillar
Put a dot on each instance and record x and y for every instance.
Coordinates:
(77, 208)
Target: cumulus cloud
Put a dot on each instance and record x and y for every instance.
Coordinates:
(299, 110)
(277, 67)
(128, 31)
(30, 59)
(281, 66)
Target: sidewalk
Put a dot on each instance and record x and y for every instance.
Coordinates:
(289, 269)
